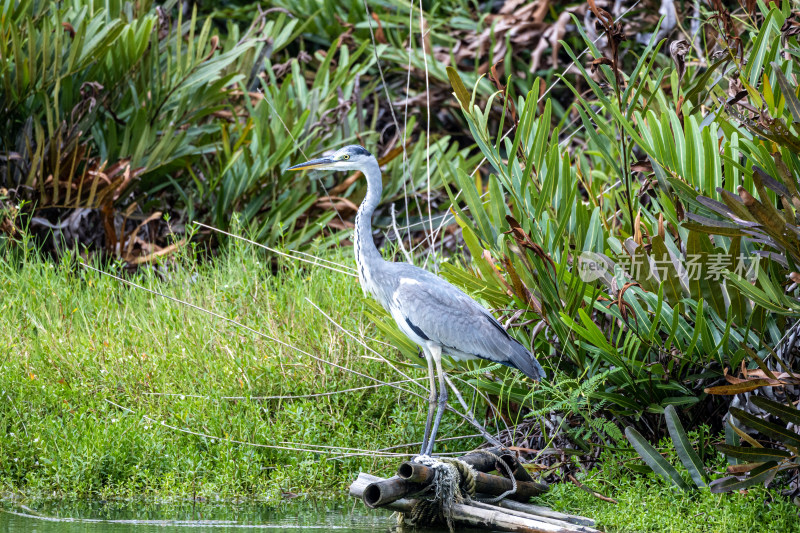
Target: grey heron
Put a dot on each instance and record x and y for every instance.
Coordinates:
(434, 314)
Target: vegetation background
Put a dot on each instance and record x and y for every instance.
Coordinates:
(519, 140)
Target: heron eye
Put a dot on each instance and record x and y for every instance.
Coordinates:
(345, 156)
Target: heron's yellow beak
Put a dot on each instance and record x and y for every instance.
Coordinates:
(322, 162)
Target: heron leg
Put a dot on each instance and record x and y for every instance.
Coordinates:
(436, 353)
(431, 401)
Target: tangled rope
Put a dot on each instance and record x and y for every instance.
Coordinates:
(453, 482)
(511, 476)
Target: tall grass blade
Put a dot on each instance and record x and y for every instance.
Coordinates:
(238, 324)
(317, 260)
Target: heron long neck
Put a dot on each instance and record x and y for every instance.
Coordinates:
(367, 255)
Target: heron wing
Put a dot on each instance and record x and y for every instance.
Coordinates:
(437, 311)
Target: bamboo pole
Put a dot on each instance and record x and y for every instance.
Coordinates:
(385, 491)
(497, 519)
(539, 510)
(486, 462)
(547, 519)
(483, 462)
(414, 477)
(484, 483)
(364, 480)
(417, 472)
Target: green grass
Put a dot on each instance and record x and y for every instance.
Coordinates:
(646, 504)
(72, 342)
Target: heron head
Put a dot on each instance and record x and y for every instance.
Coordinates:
(351, 157)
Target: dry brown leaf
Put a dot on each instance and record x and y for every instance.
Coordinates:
(158, 253)
(69, 29)
(133, 235)
(678, 50)
(743, 386)
(379, 35)
(337, 203)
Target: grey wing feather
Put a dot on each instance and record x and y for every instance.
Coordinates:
(449, 317)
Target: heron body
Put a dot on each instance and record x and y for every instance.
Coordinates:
(434, 314)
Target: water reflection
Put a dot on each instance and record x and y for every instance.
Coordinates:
(135, 517)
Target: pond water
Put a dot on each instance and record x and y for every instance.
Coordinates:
(83, 517)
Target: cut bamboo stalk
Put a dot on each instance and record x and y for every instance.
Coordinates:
(484, 462)
(414, 477)
(518, 471)
(416, 472)
(468, 515)
(484, 518)
(546, 519)
(484, 483)
(380, 493)
(358, 486)
(364, 480)
(539, 510)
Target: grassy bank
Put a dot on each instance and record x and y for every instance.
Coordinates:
(109, 392)
(95, 372)
(646, 503)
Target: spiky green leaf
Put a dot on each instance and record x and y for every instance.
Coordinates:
(790, 415)
(764, 474)
(753, 455)
(767, 428)
(686, 453)
(654, 459)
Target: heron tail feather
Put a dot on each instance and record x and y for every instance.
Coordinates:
(524, 361)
